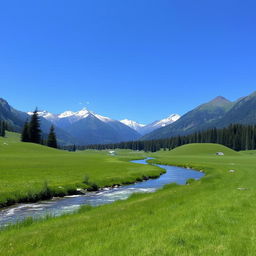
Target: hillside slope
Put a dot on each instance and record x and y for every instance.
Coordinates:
(199, 118)
(243, 112)
(206, 149)
(218, 113)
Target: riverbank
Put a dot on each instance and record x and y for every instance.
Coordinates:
(60, 206)
(85, 188)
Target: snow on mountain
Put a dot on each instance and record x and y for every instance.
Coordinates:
(166, 121)
(66, 114)
(88, 127)
(134, 125)
(45, 114)
(67, 118)
(161, 123)
(71, 116)
(83, 113)
(103, 118)
(144, 129)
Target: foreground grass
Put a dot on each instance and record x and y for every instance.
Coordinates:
(29, 172)
(213, 216)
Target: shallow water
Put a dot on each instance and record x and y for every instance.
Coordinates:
(68, 204)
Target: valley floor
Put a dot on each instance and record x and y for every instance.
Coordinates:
(213, 216)
(30, 172)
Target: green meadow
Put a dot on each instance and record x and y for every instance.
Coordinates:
(29, 172)
(212, 216)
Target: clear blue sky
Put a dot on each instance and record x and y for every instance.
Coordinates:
(136, 59)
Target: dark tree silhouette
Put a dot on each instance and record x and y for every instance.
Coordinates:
(34, 128)
(52, 140)
(25, 133)
(2, 128)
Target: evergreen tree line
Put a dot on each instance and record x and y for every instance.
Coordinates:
(71, 148)
(32, 132)
(235, 136)
(3, 128)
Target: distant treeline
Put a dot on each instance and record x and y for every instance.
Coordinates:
(235, 136)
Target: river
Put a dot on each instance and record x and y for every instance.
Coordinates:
(69, 204)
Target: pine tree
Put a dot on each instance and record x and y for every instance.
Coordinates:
(34, 128)
(52, 141)
(25, 133)
(2, 129)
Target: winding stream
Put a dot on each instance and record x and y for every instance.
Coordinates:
(68, 204)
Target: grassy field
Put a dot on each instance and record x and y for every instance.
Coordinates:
(29, 172)
(213, 216)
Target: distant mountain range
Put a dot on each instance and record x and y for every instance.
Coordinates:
(219, 113)
(90, 128)
(144, 129)
(86, 127)
(82, 127)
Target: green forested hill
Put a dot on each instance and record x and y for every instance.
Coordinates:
(243, 112)
(217, 113)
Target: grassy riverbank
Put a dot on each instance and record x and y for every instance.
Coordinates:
(213, 216)
(29, 172)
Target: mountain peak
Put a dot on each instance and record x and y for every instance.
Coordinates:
(67, 113)
(143, 129)
(166, 121)
(83, 113)
(220, 100)
(132, 124)
(4, 102)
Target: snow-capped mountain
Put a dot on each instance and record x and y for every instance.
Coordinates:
(144, 129)
(134, 125)
(71, 116)
(91, 128)
(47, 115)
(88, 127)
(166, 121)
